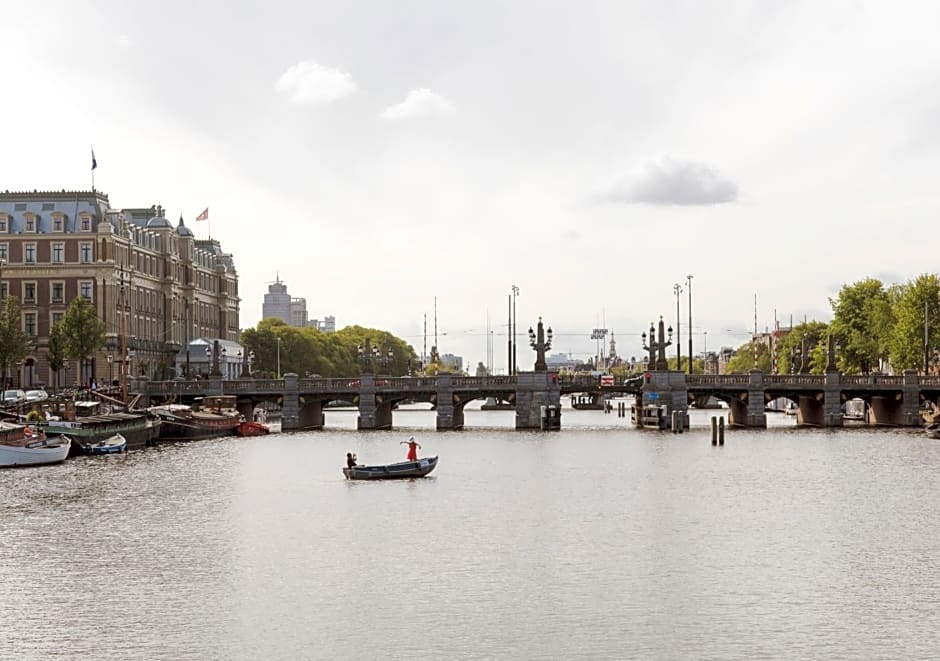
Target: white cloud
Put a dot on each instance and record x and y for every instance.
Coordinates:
(125, 42)
(419, 103)
(669, 182)
(310, 83)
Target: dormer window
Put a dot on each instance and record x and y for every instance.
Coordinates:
(84, 222)
(31, 225)
(58, 222)
(3, 225)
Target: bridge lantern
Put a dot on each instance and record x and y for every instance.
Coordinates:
(646, 377)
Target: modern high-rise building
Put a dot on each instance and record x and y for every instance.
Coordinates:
(155, 282)
(277, 302)
(298, 312)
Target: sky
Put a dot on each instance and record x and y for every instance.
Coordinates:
(376, 156)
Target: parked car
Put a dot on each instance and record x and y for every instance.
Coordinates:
(36, 395)
(13, 397)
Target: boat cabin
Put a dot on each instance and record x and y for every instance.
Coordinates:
(650, 416)
(218, 403)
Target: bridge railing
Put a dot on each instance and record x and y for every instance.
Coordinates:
(717, 379)
(871, 380)
(794, 380)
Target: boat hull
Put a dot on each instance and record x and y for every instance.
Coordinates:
(251, 428)
(46, 451)
(399, 471)
(112, 445)
(138, 432)
(196, 430)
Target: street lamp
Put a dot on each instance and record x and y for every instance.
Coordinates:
(688, 280)
(110, 374)
(513, 367)
(677, 288)
(278, 357)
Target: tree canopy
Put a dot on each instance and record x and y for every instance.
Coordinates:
(310, 351)
(15, 344)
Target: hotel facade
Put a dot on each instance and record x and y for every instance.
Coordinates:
(157, 281)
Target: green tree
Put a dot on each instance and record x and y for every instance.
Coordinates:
(743, 359)
(917, 307)
(83, 331)
(57, 353)
(790, 346)
(15, 344)
(861, 325)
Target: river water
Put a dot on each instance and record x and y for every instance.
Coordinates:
(598, 542)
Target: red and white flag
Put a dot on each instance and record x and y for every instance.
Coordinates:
(204, 215)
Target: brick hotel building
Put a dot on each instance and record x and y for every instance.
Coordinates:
(55, 246)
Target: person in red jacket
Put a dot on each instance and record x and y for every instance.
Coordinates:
(413, 447)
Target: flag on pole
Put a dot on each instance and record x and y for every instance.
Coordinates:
(94, 163)
(204, 215)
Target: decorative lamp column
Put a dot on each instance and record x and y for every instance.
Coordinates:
(657, 348)
(540, 342)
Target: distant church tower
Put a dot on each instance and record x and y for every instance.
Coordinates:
(612, 354)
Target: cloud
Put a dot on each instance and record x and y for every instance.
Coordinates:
(668, 182)
(419, 103)
(310, 83)
(125, 42)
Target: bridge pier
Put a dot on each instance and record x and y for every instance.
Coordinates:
(668, 389)
(448, 405)
(533, 391)
(374, 411)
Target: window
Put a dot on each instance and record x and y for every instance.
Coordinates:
(58, 292)
(3, 225)
(84, 253)
(57, 317)
(58, 253)
(4, 290)
(4, 252)
(29, 323)
(86, 224)
(57, 224)
(29, 253)
(84, 289)
(30, 224)
(29, 293)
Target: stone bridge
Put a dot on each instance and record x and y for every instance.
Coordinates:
(891, 400)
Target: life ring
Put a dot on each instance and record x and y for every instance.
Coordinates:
(29, 431)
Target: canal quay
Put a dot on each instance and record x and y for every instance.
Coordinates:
(596, 541)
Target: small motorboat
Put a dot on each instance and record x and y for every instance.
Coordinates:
(932, 431)
(111, 445)
(402, 470)
(34, 450)
(252, 428)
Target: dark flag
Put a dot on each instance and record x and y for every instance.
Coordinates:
(94, 163)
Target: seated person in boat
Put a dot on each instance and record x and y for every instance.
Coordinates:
(351, 460)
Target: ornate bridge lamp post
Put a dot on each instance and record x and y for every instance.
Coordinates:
(368, 353)
(657, 363)
(246, 357)
(386, 356)
(541, 342)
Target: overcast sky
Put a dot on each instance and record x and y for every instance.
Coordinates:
(378, 154)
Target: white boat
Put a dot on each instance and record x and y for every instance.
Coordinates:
(34, 452)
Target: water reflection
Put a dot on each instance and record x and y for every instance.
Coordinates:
(596, 542)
